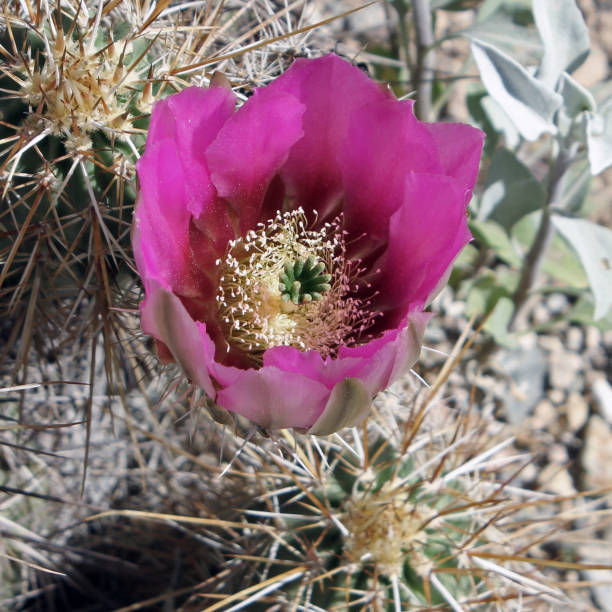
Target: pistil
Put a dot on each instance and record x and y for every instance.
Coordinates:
(304, 281)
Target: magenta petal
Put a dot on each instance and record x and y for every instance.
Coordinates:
(388, 358)
(310, 363)
(275, 399)
(460, 148)
(385, 142)
(192, 118)
(425, 236)
(332, 89)
(164, 317)
(377, 364)
(174, 184)
(161, 224)
(250, 149)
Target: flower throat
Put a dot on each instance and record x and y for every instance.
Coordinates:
(283, 284)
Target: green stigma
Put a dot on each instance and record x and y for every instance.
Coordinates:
(304, 281)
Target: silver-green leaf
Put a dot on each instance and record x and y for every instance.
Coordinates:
(599, 137)
(593, 244)
(501, 122)
(565, 37)
(528, 102)
(511, 191)
(576, 98)
(500, 31)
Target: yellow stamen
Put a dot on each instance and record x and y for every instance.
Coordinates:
(252, 306)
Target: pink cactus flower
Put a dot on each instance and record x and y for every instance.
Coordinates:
(288, 249)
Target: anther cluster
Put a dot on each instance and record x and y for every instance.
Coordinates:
(284, 284)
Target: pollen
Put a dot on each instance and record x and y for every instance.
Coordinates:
(286, 284)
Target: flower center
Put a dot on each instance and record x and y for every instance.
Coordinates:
(284, 284)
(304, 281)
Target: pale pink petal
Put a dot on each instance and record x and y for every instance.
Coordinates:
(377, 363)
(310, 363)
(275, 399)
(348, 405)
(164, 317)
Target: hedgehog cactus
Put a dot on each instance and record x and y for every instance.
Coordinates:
(75, 89)
(406, 518)
(82, 88)
(79, 81)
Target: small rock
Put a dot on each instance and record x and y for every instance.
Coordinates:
(600, 361)
(602, 393)
(371, 19)
(527, 341)
(605, 30)
(529, 473)
(564, 369)
(456, 309)
(574, 340)
(544, 414)
(576, 411)
(540, 314)
(526, 369)
(595, 68)
(592, 337)
(556, 303)
(597, 454)
(552, 344)
(556, 396)
(602, 579)
(602, 587)
(557, 453)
